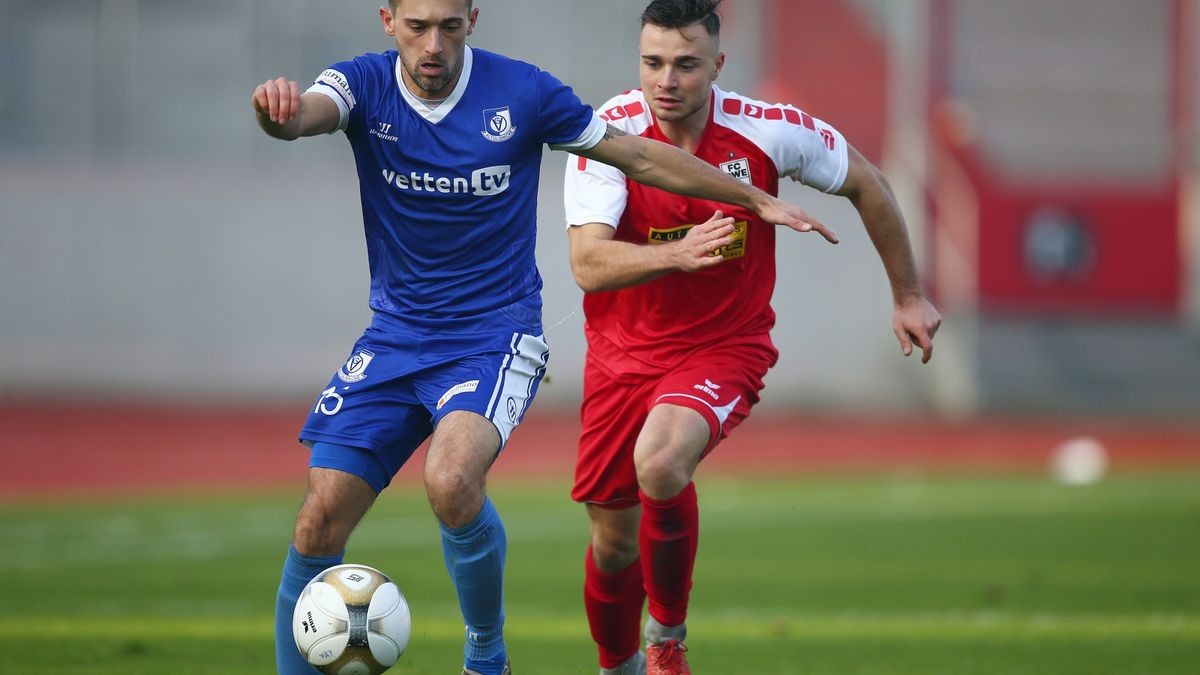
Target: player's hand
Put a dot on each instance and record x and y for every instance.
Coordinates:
(915, 321)
(780, 212)
(277, 99)
(700, 247)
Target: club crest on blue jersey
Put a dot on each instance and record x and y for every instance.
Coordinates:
(498, 125)
(356, 368)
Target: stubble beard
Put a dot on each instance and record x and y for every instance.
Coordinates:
(431, 87)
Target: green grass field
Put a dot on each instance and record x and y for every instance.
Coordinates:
(853, 575)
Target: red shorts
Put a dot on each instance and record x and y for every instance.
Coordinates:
(722, 385)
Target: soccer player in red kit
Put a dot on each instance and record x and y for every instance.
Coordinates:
(678, 318)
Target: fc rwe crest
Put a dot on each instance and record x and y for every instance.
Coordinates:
(738, 168)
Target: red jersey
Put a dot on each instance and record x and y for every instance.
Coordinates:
(653, 326)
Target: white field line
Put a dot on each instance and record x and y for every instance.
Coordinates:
(745, 624)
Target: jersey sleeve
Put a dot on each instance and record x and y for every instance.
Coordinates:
(593, 192)
(339, 82)
(567, 122)
(813, 153)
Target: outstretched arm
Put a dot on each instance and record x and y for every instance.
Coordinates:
(915, 319)
(601, 263)
(283, 112)
(667, 167)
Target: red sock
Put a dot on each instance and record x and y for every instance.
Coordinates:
(614, 610)
(669, 533)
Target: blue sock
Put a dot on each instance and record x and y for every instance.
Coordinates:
(298, 570)
(474, 556)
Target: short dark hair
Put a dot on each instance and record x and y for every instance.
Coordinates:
(683, 13)
(396, 3)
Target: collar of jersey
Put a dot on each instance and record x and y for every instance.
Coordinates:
(437, 114)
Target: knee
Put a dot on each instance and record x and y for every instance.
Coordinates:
(319, 532)
(613, 551)
(662, 473)
(454, 495)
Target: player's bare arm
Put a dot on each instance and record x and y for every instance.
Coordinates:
(284, 113)
(600, 263)
(915, 319)
(669, 168)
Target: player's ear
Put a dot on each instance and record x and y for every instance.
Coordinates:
(385, 15)
(719, 65)
(473, 17)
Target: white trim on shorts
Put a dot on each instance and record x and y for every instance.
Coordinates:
(519, 373)
(721, 413)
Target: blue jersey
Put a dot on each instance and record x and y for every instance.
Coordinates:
(449, 193)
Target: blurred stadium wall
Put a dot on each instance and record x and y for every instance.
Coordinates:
(154, 244)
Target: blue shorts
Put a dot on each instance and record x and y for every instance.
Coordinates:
(396, 386)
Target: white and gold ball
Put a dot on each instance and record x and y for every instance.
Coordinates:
(351, 620)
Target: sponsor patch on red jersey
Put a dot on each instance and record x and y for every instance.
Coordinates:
(735, 249)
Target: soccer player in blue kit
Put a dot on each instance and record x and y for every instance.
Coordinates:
(447, 141)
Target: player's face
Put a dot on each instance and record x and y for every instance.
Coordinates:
(678, 68)
(431, 36)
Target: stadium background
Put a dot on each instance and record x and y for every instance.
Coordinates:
(156, 246)
(175, 287)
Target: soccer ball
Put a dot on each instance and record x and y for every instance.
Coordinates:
(351, 620)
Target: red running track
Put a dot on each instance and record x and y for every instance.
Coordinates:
(52, 451)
